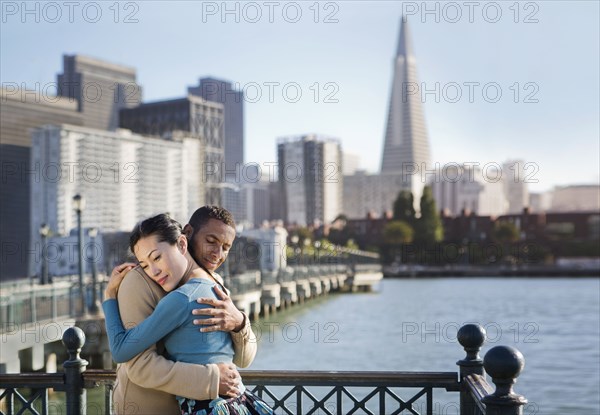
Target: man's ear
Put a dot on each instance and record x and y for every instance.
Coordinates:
(188, 231)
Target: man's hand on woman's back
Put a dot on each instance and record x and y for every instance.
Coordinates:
(222, 316)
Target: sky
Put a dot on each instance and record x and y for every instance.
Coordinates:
(498, 80)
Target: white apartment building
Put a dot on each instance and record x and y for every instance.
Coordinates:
(515, 177)
(371, 193)
(480, 191)
(123, 177)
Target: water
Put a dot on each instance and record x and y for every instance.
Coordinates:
(410, 325)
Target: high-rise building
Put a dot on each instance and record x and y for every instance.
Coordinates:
(217, 90)
(351, 163)
(20, 111)
(371, 194)
(456, 188)
(576, 198)
(514, 176)
(310, 179)
(100, 88)
(406, 146)
(124, 178)
(193, 114)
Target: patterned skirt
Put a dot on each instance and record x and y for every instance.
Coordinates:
(245, 404)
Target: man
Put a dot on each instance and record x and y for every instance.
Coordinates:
(146, 384)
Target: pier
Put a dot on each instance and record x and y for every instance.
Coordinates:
(33, 317)
(305, 392)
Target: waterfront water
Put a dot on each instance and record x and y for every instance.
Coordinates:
(410, 325)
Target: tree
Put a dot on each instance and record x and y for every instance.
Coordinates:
(429, 227)
(397, 232)
(404, 207)
(506, 232)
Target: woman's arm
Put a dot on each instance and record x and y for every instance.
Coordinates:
(169, 314)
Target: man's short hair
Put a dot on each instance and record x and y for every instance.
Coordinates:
(202, 215)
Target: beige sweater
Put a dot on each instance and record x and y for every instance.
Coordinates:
(147, 384)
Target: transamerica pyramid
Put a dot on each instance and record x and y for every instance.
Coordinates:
(406, 147)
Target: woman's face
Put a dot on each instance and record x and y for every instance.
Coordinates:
(164, 263)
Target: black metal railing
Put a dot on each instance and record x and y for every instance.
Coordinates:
(306, 392)
(309, 392)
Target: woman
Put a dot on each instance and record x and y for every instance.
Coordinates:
(162, 251)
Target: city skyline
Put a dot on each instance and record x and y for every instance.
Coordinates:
(349, 61)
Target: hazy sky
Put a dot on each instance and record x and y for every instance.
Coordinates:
(542, 57)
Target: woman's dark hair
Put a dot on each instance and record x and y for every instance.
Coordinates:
(163, 226)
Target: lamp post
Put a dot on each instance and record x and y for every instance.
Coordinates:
(317, 245)
(294, 240)
(94, 308)
(44, 232)
(79, 205)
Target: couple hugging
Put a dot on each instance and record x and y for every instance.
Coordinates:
(181, 356)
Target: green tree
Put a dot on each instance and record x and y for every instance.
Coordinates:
(398, 232)
(429, 228)
(506, 232)
(404, 207)
(395, 234)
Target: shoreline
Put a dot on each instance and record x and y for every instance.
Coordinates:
(491, 272)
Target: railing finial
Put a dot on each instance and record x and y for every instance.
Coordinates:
(504, 364)
(471, 337)
(74, 339)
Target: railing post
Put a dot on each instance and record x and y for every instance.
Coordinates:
(471, 337)
(73, 339)
(504, 364)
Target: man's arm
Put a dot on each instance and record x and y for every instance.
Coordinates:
(137, 300)
(244, 344)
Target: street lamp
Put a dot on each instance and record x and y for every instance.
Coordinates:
(79, 205)
(44, 232)
(294, 240)
(317, 245)
(94, 308)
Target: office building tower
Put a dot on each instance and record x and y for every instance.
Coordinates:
(20, 111)
(351, 163)
(406, 141)
(456, 188)
(371, 194)
(310, 179)
(100, 88)
(192, 114)
(576, 198)
(216, 90)
(514, 176)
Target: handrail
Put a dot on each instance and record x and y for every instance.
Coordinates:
(478, 388)
(447, 380)
(477, 396)
(31, 380)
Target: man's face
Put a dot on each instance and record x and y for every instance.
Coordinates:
(211, 244)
